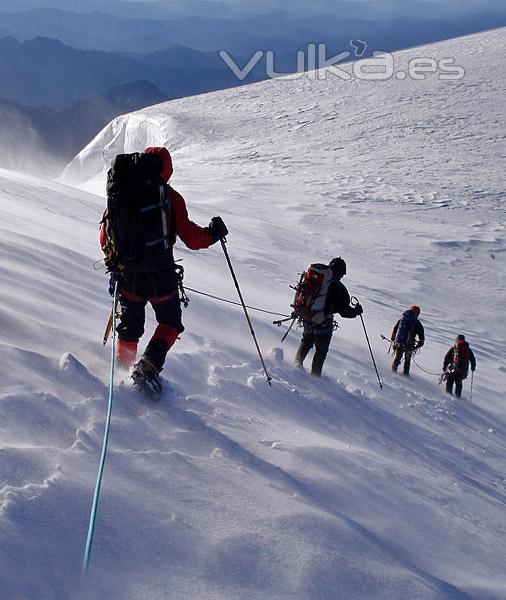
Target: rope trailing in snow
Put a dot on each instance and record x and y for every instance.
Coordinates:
(94, 506)
(425, 371)
(267, 312)
(417, 350)
(99, 264)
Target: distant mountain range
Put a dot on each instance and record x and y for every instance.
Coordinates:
(55, 135)
(64, 75)
(46, 72)
(59, 97)
(155, 9)
(120, 32)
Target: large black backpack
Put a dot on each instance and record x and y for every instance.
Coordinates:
(138, 217)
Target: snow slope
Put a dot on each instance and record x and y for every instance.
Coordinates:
(225, 488)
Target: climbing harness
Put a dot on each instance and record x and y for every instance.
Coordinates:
(300, 322)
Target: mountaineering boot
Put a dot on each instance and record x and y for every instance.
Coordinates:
(146, 377)
(155, 352)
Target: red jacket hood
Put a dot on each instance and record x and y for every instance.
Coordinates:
(164, 154)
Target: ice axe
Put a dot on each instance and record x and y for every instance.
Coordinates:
(279, 323)
(112, 315)
(383, 337)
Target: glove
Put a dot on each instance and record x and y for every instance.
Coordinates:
(218, 228)
(420, 344)
(358, 310)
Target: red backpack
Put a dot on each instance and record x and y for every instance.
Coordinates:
(311, 293)
(460, 362)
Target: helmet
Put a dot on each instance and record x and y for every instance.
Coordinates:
(338, 266)
(166, 159)
(461, 338)
(416, 309)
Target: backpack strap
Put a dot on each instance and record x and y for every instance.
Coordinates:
(165, 207)
(165, 204)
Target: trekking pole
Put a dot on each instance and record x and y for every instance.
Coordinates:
(472, 381)
(232, 272)
(354, 301)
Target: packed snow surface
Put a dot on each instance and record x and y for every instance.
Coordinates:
(225, 488)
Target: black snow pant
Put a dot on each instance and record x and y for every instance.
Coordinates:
(320, 339)
(402, 351)
(457, 379)
(159, 290)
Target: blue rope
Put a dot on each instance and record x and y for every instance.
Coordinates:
(94, 506)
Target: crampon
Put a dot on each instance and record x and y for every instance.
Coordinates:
(145, 376)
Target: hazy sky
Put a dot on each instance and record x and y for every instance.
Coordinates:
(384, 7)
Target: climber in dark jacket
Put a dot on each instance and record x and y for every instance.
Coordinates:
(456, 365)
(407, 335)
(320, 336)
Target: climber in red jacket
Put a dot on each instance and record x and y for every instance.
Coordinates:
(143, 218)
